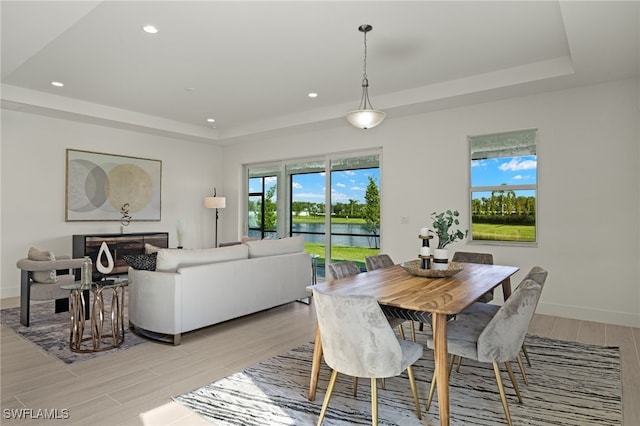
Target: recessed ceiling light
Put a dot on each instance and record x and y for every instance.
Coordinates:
(150, 29)
(313, 95)
(211, 120)
(57, 83)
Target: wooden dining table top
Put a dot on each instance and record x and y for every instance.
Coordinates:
(393, 286)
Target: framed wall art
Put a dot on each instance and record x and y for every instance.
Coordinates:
(100, 187)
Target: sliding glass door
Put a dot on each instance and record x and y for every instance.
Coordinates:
(349, 229)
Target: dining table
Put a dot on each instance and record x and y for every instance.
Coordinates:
(437, 298)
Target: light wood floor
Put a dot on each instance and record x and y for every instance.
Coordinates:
(134, 387)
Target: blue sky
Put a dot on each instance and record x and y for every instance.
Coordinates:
(504, 170)
(348, 184)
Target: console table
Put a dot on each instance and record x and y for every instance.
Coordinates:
(119, 245)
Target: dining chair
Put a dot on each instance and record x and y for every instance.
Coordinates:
(348, 268)
(471, 257)
(379, 261)
(498, 341)
(483, 312)
(358, 341)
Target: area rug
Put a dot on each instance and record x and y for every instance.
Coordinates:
(50, 331)
(569, 384)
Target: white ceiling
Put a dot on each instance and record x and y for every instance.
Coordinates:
(250, 65)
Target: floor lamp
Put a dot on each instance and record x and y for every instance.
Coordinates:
(215, 202)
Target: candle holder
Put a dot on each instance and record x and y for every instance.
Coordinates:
(425, 250)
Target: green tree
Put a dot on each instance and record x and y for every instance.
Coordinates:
(270, 210)
(372, 212)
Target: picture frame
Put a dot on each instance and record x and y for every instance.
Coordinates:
(111, 187)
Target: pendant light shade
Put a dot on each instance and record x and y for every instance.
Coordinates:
(365, 117)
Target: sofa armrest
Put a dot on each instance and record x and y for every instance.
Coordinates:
(155, 301)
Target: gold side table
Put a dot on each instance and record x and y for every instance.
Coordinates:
(98, 336)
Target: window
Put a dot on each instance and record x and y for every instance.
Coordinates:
(503, 187)
(262, 209)
(296, 204)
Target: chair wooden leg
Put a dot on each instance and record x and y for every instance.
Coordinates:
(524, 374)
(513, 381)
(451, 362)
(526, 354)
(382, 384)
(327, 397)
(503, 397)
(459, 364)
(413, 331)
(374, 402)
(431, 390)
(401, 331)
(414, 391)
(355, 387)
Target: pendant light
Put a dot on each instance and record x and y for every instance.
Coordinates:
(365, 117)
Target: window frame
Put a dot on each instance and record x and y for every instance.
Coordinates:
(504, 187)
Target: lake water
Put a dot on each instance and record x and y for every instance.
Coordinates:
(338, 228)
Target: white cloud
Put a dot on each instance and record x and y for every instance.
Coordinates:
(357, 188)
(517, 177)
(515, 165)
(310, 195)
(341, 185)
(296, 185)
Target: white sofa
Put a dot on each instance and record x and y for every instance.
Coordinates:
(191, 289)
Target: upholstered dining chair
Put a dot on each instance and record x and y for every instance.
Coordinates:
(41, 275)
(498, 341)
(384, 261)
(470, 257)
(378, 261)
(358, 341)
(347, 268)
(483, 312)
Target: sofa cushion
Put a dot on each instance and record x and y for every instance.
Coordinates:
(169, 260)
(144, 262)
(263, 248)
(45, 277)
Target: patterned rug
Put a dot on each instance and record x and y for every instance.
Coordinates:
(569, 384)
(50, 331)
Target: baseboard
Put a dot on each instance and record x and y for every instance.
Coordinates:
(628, 319)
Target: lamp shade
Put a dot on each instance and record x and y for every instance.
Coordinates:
(215, 202)
(365, 118)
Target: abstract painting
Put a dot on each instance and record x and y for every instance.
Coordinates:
(106, 187)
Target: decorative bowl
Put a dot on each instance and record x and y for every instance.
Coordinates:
(414, 267)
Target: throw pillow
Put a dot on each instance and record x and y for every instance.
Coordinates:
(150, 248)
(144, 262)
(45, 277)
(263, 248)
(169, 260)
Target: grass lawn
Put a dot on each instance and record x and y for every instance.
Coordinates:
(493, 232)
(339, 253)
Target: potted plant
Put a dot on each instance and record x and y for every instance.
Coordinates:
(442, 224)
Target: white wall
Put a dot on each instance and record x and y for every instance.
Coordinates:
(589, 187)
(33, 185)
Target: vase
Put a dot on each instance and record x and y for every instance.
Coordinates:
(440, 259)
